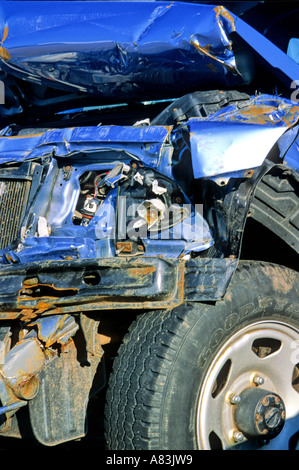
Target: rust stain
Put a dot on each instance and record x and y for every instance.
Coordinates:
(212, 67)
(221, 11)
(248, 174)
(27, 314)
(103, 303)
(3, 51)
(53, 293)
(206, 51)
(258, 111)
(66, 143)
(21, 136)
(43, 305)
(141, 272)
(265, 114)
(181, 280)
(291, 115)
(104, 339)
(27, 387)
(125, 247)
(10, 315)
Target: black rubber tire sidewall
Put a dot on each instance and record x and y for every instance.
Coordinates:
(257, 292)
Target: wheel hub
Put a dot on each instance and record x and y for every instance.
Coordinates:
(248, 398)
(260, 413)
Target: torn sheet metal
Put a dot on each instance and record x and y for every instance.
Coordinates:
(59, 328)
(142, 142)
(125, 50)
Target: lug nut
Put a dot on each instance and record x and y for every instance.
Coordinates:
(238, 436)
(234, 399)
(258, 380)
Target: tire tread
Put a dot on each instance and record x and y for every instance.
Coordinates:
(142, 367)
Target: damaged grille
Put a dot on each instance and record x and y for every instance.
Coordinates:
(13, 198)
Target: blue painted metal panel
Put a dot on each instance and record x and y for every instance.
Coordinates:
(237, 138)
(218, 148)
(65, 142)
(124, 51)
(117, 51)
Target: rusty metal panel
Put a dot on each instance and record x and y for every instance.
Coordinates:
(75, 286)
(58, 412)
(119, 283)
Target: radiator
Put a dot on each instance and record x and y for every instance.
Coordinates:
(13, 200)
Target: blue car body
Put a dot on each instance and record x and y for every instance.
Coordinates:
(133, 139)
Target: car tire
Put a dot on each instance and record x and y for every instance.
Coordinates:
(212, 376)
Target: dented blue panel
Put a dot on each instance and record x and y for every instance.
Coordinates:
(240, 137)
(66, 142)
(217, 149)
(106, 210)
(124, 51)
(112, 52)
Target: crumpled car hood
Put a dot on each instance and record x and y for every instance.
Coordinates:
(114, 51)
(59, 55)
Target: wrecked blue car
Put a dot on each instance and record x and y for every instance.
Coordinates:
(149, 224)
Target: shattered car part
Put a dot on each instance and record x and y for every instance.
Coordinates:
(129, 167)
(120, 55)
